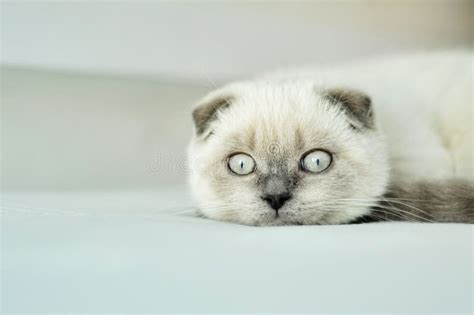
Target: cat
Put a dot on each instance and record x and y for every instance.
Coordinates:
(379, 140)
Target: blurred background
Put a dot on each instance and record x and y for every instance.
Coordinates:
(97, 95)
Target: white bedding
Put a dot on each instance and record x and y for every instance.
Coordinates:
(123, 251)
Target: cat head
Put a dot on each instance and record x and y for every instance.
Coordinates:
(276, 153)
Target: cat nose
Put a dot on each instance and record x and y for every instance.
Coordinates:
(276, 201)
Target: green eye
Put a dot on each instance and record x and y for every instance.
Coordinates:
(241, 164)
(316, 161)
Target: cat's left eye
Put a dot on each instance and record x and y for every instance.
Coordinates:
(316, 161)
(241, 164)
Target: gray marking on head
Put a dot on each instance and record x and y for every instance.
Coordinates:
(274, 185)
(206, 112)
(279, 180)
(299, 139)
(355, 104)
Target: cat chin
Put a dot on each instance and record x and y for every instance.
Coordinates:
(269, 217)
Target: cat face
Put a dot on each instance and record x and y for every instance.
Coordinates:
(286, 153)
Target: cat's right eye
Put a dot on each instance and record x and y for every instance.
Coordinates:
(241, 164)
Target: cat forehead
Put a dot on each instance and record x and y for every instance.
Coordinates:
(276, 111)
(275, 140)
(283, 129)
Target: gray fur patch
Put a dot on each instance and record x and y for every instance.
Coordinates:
(450, 201)
(205, 113)
(355, 104)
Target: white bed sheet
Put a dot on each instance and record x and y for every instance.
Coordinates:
(124, 251)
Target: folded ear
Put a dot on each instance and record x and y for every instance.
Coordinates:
(207, 109)
(355, 104)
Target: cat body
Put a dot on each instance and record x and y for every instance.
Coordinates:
(385, 139)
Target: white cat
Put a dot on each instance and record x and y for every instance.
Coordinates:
(388, 139)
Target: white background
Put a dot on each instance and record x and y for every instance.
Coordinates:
(202, 40)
